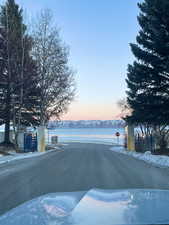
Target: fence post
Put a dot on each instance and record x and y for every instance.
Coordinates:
(130, 137)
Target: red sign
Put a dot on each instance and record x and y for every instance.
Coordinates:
(117, 134)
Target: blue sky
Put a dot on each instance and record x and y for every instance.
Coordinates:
(98, 33)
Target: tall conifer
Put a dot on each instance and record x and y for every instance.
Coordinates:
(148, 76)
(18, 80)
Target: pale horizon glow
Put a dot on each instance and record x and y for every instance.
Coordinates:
(91, 112)
(98, 34)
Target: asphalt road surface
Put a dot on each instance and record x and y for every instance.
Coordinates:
(76, 167)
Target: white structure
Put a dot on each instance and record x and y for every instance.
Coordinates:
(21, 140)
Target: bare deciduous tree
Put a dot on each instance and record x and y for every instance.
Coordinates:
(124, 107)
(56, 80)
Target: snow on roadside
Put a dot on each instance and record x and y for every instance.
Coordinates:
(156, 160)
(18, 156)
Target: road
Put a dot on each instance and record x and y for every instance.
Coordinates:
(77, 167)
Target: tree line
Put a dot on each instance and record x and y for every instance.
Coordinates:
(36, 81)
(86, 124)
(148, 76)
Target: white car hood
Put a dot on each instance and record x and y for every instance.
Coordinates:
(95, 207)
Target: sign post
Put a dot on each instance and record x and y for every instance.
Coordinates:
(117, 135)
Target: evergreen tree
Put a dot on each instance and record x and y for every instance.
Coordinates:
(19, 80)
(3, 63)
(148, 76)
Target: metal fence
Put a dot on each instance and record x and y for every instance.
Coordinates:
(144, 143)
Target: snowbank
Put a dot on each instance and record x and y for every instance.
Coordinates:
(156, 160)
(18, 156)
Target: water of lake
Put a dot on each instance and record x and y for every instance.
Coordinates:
(87, 135)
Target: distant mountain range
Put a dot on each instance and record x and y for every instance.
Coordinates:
(86, 124)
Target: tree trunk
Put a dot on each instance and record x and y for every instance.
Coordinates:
(7, 118)
(7, 133)
(8, 95)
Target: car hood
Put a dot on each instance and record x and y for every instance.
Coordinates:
(94, 207)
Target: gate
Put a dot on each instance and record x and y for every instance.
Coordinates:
(144, 143)
(30, 142)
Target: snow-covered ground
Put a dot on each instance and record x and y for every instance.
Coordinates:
(18, 156)
(156, 160)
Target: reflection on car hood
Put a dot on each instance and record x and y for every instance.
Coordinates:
(95, 207)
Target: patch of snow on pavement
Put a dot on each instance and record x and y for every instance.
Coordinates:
(156, 160)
